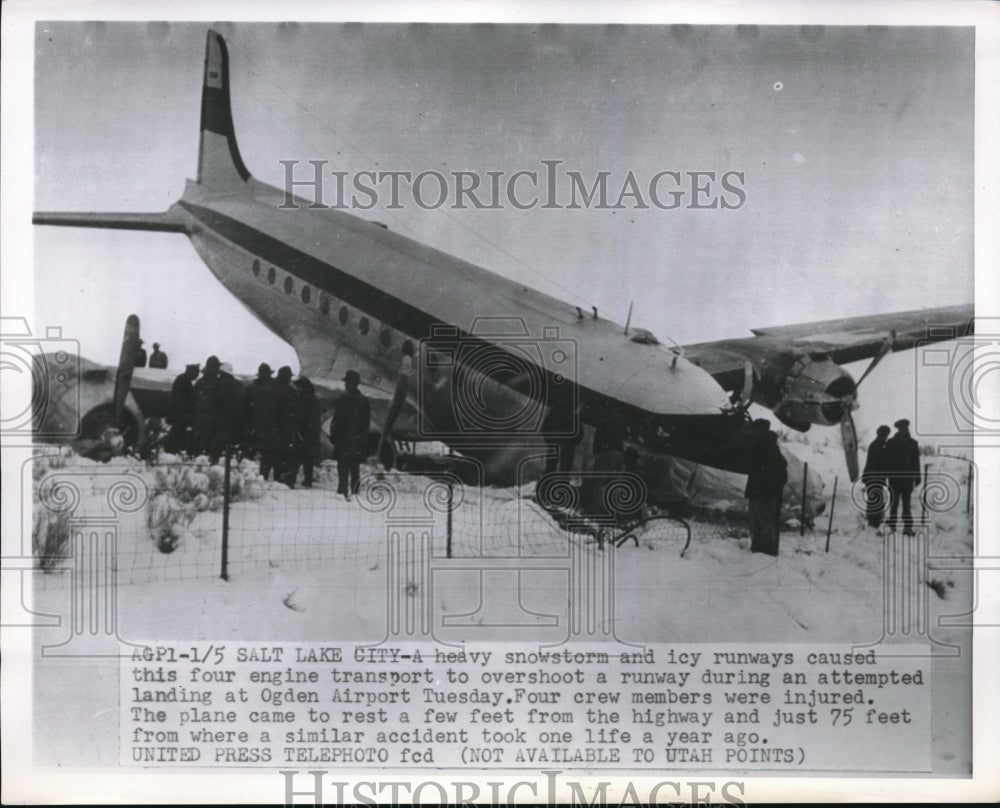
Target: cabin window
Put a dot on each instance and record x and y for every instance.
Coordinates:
(256, 268)
(364, 326)
(306, 294)
(288, 284)
(385, 338)
(324, 304)
(343, 315)
(272, 273)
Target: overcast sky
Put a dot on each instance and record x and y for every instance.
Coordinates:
(856, 146)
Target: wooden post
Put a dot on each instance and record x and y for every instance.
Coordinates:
(224, 574)
(833, 502)
(805, 483)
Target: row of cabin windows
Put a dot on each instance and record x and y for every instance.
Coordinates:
(343, 315)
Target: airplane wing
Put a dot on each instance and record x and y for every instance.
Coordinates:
(845, 340)
(795, 370)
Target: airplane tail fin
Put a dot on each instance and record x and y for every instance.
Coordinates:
(220, 167)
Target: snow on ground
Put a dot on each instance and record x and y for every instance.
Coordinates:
(306, 565)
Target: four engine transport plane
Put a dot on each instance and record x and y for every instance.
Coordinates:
(491, 356)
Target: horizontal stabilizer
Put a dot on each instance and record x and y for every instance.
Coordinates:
(165, 222)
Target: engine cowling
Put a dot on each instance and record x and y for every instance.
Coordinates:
(812, 390)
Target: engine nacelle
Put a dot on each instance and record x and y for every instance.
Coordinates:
(811, 390)
(73, 404)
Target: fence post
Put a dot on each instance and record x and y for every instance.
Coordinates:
(224, 574)
(829, 525)
(805, 483)
(448, 528)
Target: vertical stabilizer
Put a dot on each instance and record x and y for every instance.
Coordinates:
(220, 167)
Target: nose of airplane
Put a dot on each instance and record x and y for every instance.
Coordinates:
(673, 385)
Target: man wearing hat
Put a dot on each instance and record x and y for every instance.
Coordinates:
(231, 406)
(286, 409)
(158, 358)
(309, 429)
(181, 407)
(874, 477)
(259, 418)
(766, 478)
(903, 463)
(349, 434)
(207, 405)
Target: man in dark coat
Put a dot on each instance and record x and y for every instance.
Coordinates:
(766, 480)
(903, 465)
(259, 418)
(158, 358)
(286, 400)
(309, 429)
(181, 410)
(874, 477)
(231, 408)
(207, 406)
(349, 434)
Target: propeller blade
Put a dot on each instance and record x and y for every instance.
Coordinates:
(885, 348)
(126, 364)
(849, 437)
(746, 397)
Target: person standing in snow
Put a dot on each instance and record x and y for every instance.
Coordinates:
(349, 434)
(874, 477)
(766, 480)
(903, 466)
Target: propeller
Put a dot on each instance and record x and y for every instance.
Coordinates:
(884, 349)
(848, 434)
(131, 345)
(746, 396)
(849, 438)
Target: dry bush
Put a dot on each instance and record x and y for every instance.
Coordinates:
(181, 491)
(49, 537)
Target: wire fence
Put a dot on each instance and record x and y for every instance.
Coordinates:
(198, 520)
(188, 519)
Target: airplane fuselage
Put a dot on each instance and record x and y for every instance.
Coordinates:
(490, 355)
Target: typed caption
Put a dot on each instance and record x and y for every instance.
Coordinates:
(715, 707)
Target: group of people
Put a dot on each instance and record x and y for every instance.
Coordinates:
(157, 360)
(274, 418)
(893, 465)
(278, 420)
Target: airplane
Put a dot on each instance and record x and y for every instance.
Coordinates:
(493, 358)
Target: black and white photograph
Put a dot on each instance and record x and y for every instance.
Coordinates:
(511, 406)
